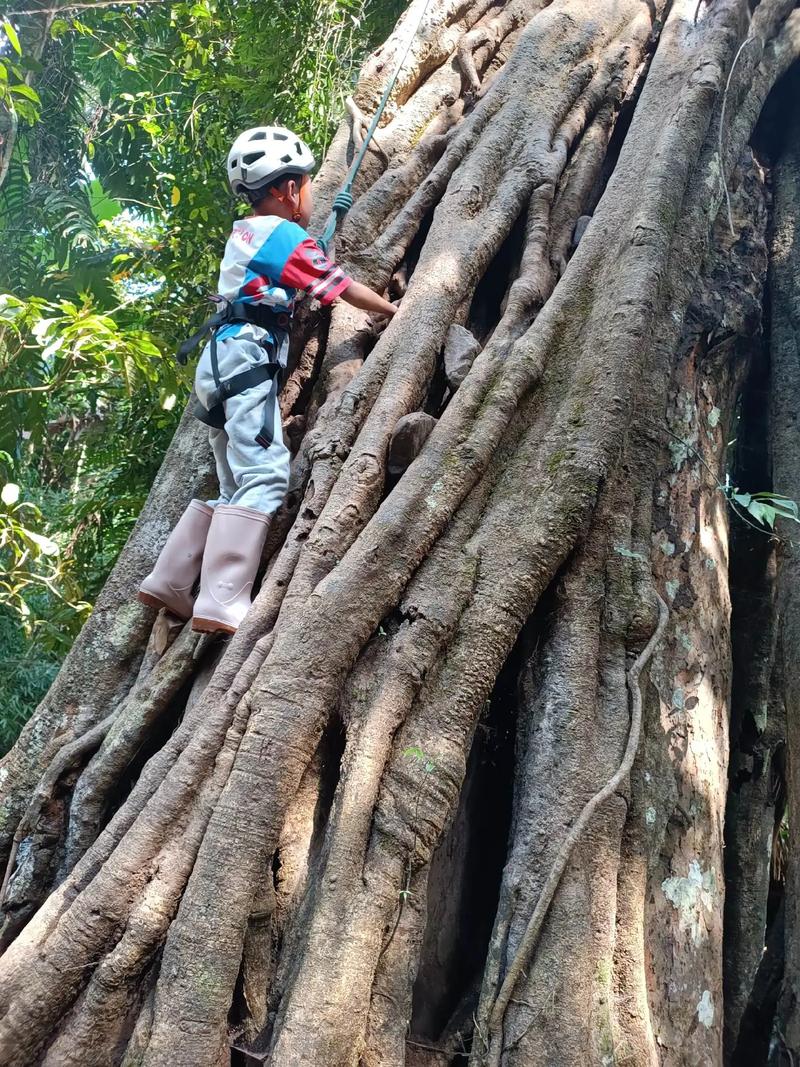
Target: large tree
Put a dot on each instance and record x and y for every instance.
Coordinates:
(459, 788)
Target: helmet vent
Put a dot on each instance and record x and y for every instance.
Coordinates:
(260, 136)
(298, 148)
(251, 157)
(280, 136)
(286, 159)
(234, 163)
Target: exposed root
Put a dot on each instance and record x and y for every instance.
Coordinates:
(489, 36)
(141, 711)
(522, 958)
(489, 509)
(360, 125)
(742, 46)
(67, 758)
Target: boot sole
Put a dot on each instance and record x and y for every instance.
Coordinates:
(211, 626)
(154, 602)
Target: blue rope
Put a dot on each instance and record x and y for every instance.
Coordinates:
(343, 200)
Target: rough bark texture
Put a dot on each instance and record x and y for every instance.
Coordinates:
(785, 439)
(323, 842)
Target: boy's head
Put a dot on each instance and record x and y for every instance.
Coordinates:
(269, 166)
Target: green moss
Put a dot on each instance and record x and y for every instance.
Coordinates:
(417, 131)
(555, 461)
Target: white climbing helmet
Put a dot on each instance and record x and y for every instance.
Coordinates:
(265, 154)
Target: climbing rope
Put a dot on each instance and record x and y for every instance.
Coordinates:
(343, 200)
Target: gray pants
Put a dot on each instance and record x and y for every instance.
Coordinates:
(249, 474)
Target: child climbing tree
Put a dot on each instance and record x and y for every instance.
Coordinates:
(456, 789)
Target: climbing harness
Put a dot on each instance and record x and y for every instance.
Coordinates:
(343, 200)
(234, 312)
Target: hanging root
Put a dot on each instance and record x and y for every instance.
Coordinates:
(491, 34)
(524, 954)
(360, 126)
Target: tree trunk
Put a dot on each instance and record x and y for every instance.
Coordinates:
(785, 441)
(456, 791)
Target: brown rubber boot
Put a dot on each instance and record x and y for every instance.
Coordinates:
(233, 552)
(169, 584)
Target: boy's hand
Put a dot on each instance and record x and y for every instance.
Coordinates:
(380, 320)
(361, 297)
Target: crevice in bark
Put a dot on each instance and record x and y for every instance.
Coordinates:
(754, 808)
(754, 904)
(489, 298)
(625, 114)
(758, 1044)
(330, 751)
(464, 879)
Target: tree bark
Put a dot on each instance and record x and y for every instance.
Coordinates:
(275, 874)
(785, 440)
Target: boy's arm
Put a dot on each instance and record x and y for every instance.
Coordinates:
(361, 297)
(299, 262)
(296, 260)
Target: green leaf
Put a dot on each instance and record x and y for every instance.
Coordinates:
(762, 513)
(414, 752)
(26, 110)
(783, 504)
(59, 28)
(25, 90)
(103, 206)
(11, 34)
(151, 127)
(766, 507)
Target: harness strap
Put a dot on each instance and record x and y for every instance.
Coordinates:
(192, 342)
(239, 383)
(214, 361)
(266, 434)
(235, 311)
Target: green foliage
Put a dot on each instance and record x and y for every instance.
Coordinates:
(27, 558)
(113, 212)
(414, 752)
(26, 672)
(17, 97)
(764, 507)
